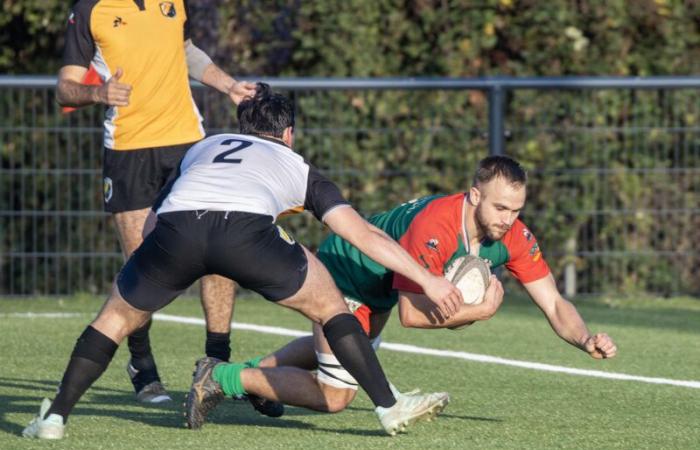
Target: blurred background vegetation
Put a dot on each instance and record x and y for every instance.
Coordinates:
(404, 38)
(616, 174)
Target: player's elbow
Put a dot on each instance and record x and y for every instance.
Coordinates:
(61, 98)
(408, 319)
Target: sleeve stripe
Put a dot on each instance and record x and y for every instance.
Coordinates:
(343, 205)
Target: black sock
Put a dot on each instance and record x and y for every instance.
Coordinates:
(140, 349)
(141, 358)
(91, 355)
(352, 348)
(218, 345)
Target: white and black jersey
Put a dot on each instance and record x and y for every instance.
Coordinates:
(235, 172)
(216, 217)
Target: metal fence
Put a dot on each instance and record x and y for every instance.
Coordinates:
(614, 164)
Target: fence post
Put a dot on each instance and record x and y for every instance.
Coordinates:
(570, 268)
(497, 97)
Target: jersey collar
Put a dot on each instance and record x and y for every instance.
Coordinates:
(271, 139)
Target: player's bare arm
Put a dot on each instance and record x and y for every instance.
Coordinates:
(417, 311)
(71, 92)
(376, 244)
(566, 321)
(203, 69)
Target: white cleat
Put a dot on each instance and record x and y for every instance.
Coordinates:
(410, 409)
(394, 390)
(50, 428)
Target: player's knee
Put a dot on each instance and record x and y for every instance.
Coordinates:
(268, 362)
(118, 318)
(337, 399)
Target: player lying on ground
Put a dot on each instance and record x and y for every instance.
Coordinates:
(217, 217)
(435, 231)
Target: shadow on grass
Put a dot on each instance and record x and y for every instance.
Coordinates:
(115, 403)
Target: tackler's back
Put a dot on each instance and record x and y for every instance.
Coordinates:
(236, 172)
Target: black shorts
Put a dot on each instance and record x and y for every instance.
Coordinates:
(186, 245)
(132, 179)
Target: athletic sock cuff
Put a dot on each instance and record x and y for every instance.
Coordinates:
(340, 326)
(95, 346)
(218, 337)
(218, 345)
(254, 363)
(228, 375)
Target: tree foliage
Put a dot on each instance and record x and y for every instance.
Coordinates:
(614, 171)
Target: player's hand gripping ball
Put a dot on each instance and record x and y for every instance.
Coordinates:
(470, 274)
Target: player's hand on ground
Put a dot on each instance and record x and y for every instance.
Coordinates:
(600, 346)
(114, 93)
(493, 297)
(240, 90)
(445, 295)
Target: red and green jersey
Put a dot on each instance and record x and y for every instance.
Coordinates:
(430, 229)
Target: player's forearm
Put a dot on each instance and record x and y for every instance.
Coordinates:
(202, 68)
(72, 93)
(417, 311)
(569, 325)
(214, 77)
(382, 249)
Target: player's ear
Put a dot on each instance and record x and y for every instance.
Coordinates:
(474, 196)
(288, 136)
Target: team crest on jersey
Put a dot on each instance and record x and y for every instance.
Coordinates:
(527, 234)
(107, 189)
(432, 244)
(284, 235)
(168, 9)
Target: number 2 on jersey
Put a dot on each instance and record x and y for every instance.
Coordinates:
(240, 145)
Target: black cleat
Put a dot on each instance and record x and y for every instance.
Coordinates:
(204, 394)
(266, 407)
(147, 385)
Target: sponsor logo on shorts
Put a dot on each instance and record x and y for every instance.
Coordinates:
(107, 189)
(284, 235)
(168, 9)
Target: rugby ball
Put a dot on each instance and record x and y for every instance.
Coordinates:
(470, 274)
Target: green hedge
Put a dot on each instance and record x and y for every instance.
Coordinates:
(614, 171)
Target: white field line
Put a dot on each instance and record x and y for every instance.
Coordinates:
(409, 349)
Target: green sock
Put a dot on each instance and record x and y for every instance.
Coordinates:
(229, 377)
(254, 363)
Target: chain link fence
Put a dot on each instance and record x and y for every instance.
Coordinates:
(614, 197)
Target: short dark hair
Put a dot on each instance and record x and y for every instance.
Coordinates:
(266, 113)
(500, 166)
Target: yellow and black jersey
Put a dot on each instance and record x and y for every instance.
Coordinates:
(146, 39)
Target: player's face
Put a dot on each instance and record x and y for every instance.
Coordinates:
(499, 205)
